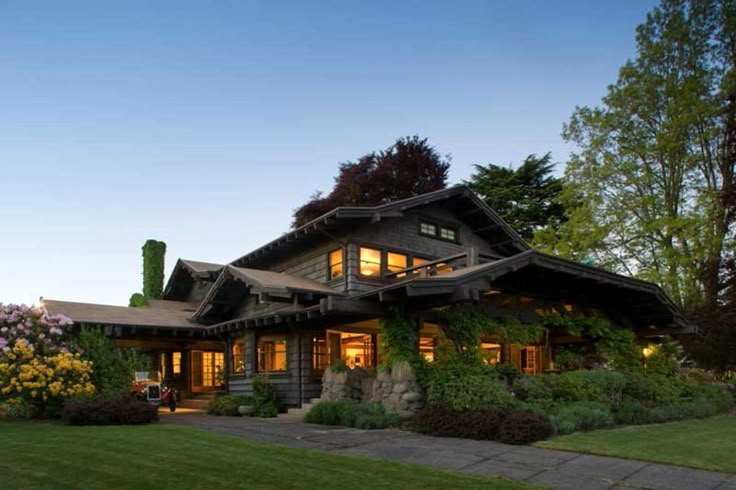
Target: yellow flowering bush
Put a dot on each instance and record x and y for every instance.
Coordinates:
(38, 367)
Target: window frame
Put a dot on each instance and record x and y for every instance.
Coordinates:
(275, 339)
(330, 264)
(439, 226)
(240, 357)
(411, 256)
(176, 358)
(381, 262)
(407, 261)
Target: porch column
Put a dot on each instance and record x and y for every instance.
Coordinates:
(251, 353)
(228, 362)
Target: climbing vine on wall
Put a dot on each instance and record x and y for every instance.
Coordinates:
(154, 252)
(398, 336)
(464, 328)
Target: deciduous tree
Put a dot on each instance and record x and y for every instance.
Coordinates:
(407, 168)
(653, 175)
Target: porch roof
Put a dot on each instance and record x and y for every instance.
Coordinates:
(534, 272)
(161, 314)
(233, 283)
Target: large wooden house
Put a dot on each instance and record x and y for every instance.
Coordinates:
(315, 295)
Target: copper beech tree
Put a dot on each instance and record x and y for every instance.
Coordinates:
(407, 168)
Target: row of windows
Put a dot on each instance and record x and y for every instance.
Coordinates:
(372, 260)
(355, 350)
(438, 231)
(271, 354)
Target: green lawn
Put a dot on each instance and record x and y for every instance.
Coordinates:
(708, 444)
(43, 455)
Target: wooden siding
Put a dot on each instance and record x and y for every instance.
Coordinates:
(198, 291)
(402, 235)
(298, 376)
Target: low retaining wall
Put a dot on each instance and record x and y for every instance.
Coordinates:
(397, 390)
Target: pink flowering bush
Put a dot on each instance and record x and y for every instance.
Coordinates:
(38, 363)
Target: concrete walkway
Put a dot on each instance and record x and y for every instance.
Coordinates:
(556, 469)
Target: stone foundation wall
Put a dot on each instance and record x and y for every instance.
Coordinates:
(397, 390)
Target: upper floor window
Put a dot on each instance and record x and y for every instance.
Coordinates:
(448, 233)
(415, 261)
(444, 232)
(427, 228)
(396, 262)
(370, 262)
(335, 264)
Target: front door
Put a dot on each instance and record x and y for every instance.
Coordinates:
(208, 370)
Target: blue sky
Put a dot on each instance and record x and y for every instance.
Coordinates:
(204, 124)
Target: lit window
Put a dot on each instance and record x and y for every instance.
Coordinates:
(529, 359)
(396, 262)
(415, 261)
(162, 365)
(238, 355)
(426, 348)
(448, 233)
(442, 268)
(271, 354)
(320, 355)
(427, 228)
(176, 361)
(335, 258)
(370, 262)
(491, 353)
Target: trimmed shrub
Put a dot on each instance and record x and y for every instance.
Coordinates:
(631, 413)
(696, 409)
(228, 405)
(718, 394)
(506, 373)
(598, 385)
(469, 424)
(463, 385)
(581, 416)
(351, 414)
(264, 398)
(523, 428)
(106, 411)
(652, 389)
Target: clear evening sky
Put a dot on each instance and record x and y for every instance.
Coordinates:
(204, 124)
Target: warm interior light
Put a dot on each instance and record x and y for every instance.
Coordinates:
(366, 272)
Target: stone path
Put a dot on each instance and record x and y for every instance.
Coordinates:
(556, 469)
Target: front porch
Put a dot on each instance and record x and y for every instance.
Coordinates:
(194, 368)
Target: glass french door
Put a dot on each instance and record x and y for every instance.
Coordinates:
(207, 370)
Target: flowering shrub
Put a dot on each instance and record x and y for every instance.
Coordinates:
(38, 365)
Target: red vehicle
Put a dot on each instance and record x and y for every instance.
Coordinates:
(148, 388)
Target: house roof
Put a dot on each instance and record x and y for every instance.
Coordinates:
(200, 267)
(532, 270)
(471, 209)
(233, 279)
(183, 275)
(160, 314)
(268, 281)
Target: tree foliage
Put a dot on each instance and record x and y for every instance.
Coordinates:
(407, 168)
(650, 189)
(526, 197)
